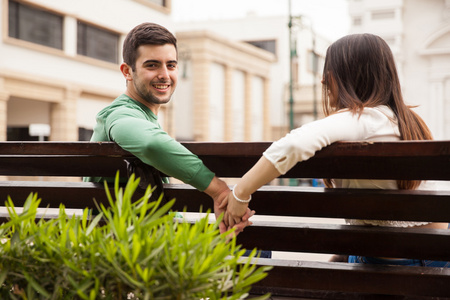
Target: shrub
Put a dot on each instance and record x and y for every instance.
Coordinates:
(130, 250)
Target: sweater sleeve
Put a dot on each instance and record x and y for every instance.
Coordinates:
(302, 143)
(155, 147)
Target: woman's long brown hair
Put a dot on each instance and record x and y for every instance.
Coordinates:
(360, 72)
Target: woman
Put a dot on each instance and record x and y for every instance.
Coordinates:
(362, 101)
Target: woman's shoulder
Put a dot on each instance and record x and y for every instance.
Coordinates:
(377, 110)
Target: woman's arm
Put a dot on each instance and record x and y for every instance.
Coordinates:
(299, 145)
(261, 173)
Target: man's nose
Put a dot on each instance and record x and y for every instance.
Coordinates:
(163, 73)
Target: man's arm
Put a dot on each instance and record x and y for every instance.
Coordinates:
(153, 146)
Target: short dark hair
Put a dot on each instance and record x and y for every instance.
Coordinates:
(145, 34)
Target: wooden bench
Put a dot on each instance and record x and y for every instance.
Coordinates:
(426, 160)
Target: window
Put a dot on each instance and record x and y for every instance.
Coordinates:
(159, 2)
(35, 25)
(268, 45)
(314, 62)
(21, 133)
(383, 15)
(84, 134)
(389, 40)
(357, 21)
(97, 43)
(162, 5)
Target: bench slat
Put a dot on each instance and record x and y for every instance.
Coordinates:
(63, 148)
(290, 201)
(348, 239)
(340, 160)
(72, 194)
(235, 149)
(331, 203)
(293, 278)
(62, 166)
(341, 167)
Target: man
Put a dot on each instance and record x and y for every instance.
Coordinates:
(151, 71)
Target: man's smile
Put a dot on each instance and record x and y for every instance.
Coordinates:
(161, 86)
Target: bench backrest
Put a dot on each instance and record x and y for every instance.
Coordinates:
(424, 160)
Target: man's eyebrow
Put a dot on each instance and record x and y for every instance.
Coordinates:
(154, 61)
(151, 61)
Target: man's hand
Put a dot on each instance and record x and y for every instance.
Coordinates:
(236, 211)
(219, 191)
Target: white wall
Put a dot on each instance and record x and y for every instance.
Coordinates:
(257, 101)
(183, 108)
(216, 102)
(422, 50)
(36, 112)
(238, 107)
(425, 73)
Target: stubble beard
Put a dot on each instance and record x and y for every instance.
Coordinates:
(148, 97)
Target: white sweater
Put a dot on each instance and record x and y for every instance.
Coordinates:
(374, 124)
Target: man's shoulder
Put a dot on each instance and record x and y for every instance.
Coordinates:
(123, 105)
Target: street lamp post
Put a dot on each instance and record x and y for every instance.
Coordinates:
(292, 52)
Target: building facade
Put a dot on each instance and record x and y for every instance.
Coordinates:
(223, 90)
(60, 67)
(60, 62)
(272, 35)
(419, 35)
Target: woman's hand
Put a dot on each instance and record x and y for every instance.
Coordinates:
(219, 191)
(235, 211)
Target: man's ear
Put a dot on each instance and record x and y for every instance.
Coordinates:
(126, 71)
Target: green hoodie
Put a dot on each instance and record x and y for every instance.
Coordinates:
(135, 128)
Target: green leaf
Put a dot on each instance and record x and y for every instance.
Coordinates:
(137, 249)
(35, 285)
(94, 223)
(3, 274)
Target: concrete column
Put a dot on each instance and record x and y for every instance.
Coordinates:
(228, 105)
(63, 117)
(248, 107)
(201, 84)
(4, 97)
(435, 109)
(267, 134)
(70, 36)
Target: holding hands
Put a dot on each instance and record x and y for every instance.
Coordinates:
(220, 193)
(235, 203)
(236, 209)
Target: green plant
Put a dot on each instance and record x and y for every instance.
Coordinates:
(130, 250)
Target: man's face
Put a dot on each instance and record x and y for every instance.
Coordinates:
(155, 76)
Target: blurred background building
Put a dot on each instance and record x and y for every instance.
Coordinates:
(306, 57)
(418, 33)
(60, 62)
(242, 79)
(60, 66)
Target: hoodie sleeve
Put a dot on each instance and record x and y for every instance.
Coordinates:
(152, 145)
